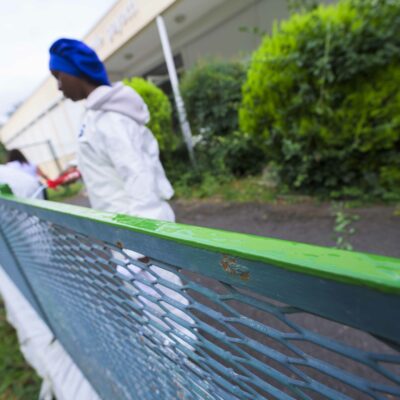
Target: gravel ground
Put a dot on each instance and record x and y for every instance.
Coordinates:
(376, 231)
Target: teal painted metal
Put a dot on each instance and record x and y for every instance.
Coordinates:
(382, 273)
(248, 318)
(14, 270)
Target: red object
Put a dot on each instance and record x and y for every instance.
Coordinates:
(69, 176)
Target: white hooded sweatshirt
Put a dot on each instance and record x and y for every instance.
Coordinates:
(119, 161)
(118, 156)
(21, 183)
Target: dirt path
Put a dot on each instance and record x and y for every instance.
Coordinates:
(376, 231)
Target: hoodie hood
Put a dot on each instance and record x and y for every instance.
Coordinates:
(121, 99)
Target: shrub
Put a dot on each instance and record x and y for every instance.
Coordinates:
(3, 154)
(212, 95)
(302, 5)
(237, 154)
(322, 94)
(160, 111)
(219, 159)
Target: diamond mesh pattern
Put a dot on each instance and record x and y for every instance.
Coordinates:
(140, 328)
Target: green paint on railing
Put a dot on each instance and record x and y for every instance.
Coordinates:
(374, 271)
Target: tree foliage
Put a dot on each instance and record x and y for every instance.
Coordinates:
(213, 92)
(3, 154)
(302, 5)
(322, 95)
(212, 95)
(160, 111)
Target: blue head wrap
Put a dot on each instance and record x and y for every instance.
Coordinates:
(76, 58)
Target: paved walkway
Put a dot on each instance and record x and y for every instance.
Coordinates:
(376, 231)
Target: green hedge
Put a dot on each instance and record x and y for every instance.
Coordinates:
(3, 154)
(322, 96)
(160, 111)
(212, 93)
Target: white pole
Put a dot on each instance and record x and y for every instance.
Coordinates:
(173, 77)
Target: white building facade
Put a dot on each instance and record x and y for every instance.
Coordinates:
(46, 126)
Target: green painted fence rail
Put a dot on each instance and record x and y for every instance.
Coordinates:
(156, 310)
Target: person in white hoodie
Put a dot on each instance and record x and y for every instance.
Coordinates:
(21, 183)
(118, 155)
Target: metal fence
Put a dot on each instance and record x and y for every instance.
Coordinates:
(156, 310)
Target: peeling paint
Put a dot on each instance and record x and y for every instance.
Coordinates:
(230, 265)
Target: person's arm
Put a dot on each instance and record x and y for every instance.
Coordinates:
(41, 173)
(123, 143)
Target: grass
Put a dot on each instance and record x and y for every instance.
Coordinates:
(343, 225)
(245, 190)
(258, 189)
(64, 192)
(252, 189)
(18, 381)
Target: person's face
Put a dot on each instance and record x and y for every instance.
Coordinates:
(71, 86)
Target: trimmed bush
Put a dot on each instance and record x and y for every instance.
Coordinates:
(302, 5)
(160, 111)
(323, 96)
(212, 93)
(236, 154)
(3, 154)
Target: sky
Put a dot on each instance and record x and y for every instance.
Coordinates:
(27, 29)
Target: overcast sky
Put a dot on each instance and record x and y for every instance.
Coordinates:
(27, 28)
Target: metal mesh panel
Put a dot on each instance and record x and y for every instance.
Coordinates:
(140, 328)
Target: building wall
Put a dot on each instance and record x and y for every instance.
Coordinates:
(54, 133)
(227, 39)
(217, 34)
(45, 115)
(43, 98)
(122, 22)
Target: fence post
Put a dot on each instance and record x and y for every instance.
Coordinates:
(53, 154)
(173, 77)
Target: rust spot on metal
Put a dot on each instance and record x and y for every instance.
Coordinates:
(245, 276)
(119, 245)
(230, 265)
(226, 262)
(144, 259)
